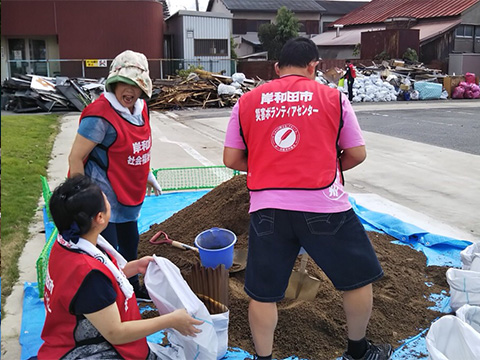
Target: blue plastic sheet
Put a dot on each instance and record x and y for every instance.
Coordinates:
(156, 209)
(439, 250)
(33, 317)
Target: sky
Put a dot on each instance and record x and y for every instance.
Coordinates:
(175, 5)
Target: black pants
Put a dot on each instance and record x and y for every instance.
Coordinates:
(124, 237)
(350, 82)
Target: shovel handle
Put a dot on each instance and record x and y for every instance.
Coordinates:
(303, 263)
(183, 246)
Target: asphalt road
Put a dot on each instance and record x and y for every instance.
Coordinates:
(421, 166)
(451, 128)
(421, 155)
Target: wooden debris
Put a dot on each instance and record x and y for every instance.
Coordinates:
(201, 90)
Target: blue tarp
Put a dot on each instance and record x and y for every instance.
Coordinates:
(439, 250)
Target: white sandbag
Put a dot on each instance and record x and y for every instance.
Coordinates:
(475, 266)
(220, 323)
(236, 85)
(238, 77)
(464, 287)
(469, 255)
(169, 291)
(224, 89)
(414, 95)
(471, 315)
(449, 338)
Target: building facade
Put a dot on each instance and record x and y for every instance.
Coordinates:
(56, 37)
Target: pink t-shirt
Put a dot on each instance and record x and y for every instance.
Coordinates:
(331, 200)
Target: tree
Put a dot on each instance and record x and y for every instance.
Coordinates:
(274, 35)
(233, 46)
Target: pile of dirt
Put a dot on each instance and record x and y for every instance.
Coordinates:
(311, 330)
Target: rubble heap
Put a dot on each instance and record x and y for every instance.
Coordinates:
(389, 81)
(33, 93)
(199, 88)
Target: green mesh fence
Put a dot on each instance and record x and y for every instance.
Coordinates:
(170, 179)
(47, 193)
(192, 178)
(42, 262)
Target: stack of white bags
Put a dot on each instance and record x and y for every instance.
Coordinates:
(371, 89)
(458, 337)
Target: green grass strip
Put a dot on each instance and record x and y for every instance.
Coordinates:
(27, 142)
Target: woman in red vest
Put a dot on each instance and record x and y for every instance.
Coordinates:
(91, 308)
(112, 147)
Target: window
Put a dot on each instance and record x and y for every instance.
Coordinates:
(211, 47)
(239, 26)
(326, 25)
(464, 31)
(477, 32)
(242, 26)
(254, 25)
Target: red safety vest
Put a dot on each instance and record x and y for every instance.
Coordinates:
(128, 156)
(353, 74)
(66, 271)
(291, 127)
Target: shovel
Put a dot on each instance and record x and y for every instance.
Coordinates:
(301, 286)
(239, 255)
(162, 238)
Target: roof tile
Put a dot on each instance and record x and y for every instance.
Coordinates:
(273, 5)
(378, 11)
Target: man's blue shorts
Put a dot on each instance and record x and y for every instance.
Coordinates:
(337, 242)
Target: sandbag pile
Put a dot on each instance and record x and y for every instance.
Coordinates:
(371, 89)
(458, 337)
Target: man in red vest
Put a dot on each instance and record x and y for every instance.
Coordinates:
(294, 137)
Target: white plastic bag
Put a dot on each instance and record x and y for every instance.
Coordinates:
(169, 291)
(449, 338)
(464, 287)
(471, 257)
(238, 77)
(220, 323)
(471, 315)
(224, 89)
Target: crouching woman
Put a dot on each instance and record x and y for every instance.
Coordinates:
(91, 308)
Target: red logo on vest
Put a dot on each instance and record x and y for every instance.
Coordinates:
(285, 138)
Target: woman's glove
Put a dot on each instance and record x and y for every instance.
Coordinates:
(153, 185)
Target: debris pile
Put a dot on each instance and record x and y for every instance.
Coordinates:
(199, 88)
(33, 93)
(389, 81)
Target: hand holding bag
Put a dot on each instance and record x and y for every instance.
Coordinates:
(169, 291)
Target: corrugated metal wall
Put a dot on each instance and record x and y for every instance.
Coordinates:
(89, 29)
(205, 28)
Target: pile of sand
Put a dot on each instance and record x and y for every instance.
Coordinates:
(312, 330)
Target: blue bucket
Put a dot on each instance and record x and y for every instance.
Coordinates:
(215, 246)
